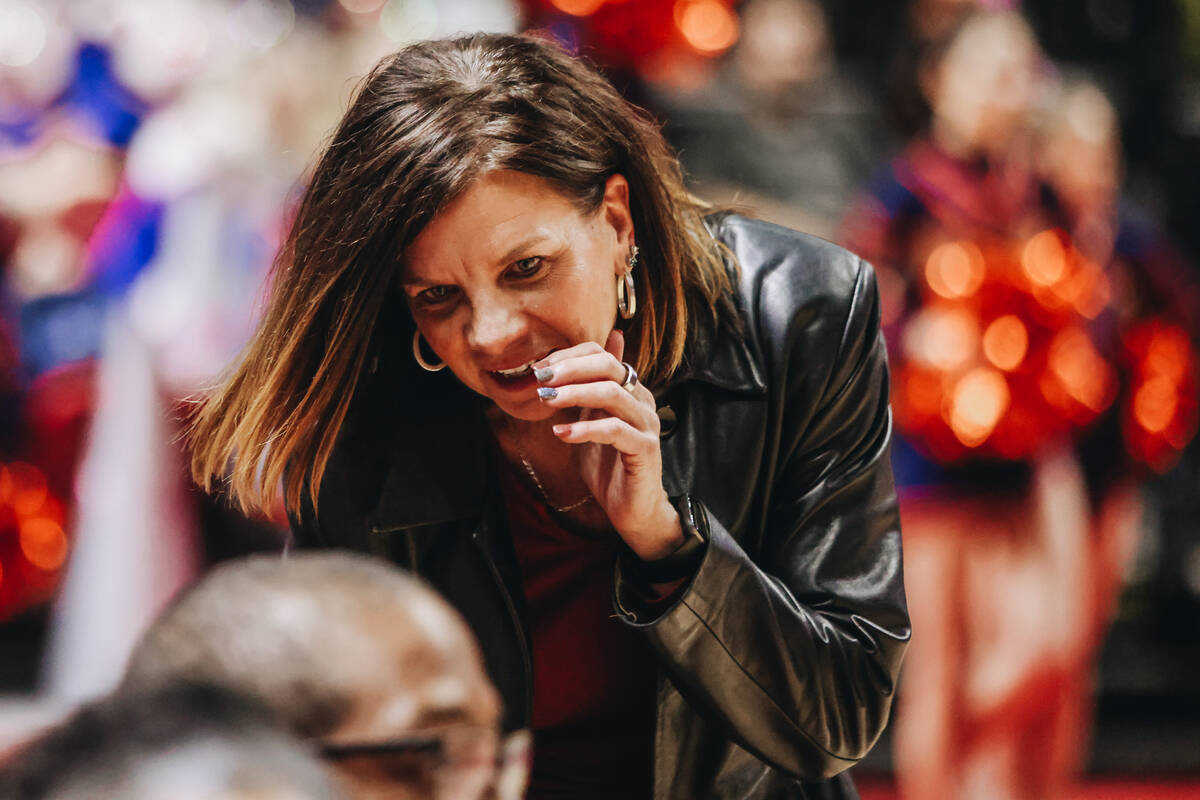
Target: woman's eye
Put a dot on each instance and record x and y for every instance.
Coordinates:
(526, 267)
(435, 295)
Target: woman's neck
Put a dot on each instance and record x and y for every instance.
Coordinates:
(548, 463)
(533, 439)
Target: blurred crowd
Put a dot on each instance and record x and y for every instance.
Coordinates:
(1039, 308)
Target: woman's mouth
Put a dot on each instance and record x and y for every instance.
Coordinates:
(516, 378)
(516, 372)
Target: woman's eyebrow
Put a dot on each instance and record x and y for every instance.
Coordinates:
(542, 239)
(528, 243)
(414, 283)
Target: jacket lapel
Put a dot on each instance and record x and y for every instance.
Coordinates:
(439, 467)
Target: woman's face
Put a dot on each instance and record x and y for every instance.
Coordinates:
(512, 271)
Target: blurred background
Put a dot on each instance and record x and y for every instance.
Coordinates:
(1024, 176)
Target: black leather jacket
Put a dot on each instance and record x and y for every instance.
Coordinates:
(779, 659)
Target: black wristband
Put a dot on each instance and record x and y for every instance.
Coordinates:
(683, 561)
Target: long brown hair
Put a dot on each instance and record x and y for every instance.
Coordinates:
(426, 123)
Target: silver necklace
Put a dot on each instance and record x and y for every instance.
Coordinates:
(542, 489)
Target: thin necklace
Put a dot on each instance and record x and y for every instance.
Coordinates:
(542, 489)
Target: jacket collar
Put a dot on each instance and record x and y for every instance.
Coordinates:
(438, 460)
(721, 358)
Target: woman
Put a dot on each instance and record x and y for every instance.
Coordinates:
(505, 350)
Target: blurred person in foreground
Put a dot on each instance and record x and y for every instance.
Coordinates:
(354, 655)
(644, 452)
(180, 741)
(1003, 324)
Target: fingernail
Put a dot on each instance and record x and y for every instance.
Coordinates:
(543, 374)
(547, 392)
(561, 430)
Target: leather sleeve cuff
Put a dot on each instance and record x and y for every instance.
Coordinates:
(634, 592)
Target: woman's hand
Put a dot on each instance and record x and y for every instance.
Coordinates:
(619, 456)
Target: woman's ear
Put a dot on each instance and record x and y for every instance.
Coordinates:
(615, 207)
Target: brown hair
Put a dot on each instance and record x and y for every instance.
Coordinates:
(425, 124)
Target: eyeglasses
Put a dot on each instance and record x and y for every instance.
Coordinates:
(457, 761)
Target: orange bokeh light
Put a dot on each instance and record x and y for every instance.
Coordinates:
(578, 8)
(1080, 370)
(1088, 290)
(43, 543)
(941, 337)
(709, 26)
(1168, 354)
(1155, 403)
(977, 403)
(1044, 258)
(28, 488)
(955, 269)
(1005, 342)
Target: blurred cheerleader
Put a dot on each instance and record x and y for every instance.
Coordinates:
(1010, 331)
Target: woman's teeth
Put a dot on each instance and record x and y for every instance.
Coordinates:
(515, 371)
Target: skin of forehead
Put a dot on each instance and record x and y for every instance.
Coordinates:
(427, 663)
(543, 210)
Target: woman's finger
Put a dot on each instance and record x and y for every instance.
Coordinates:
(615, 344)
(611, 431)
(607, 396)
(574, 351)
(600, 366)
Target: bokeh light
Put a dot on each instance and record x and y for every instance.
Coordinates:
(1155, 403)
(1168, 354)
(955, 269)
(22, 33)
(942, 337)
(1044, 258)
(29, 489)
(1005, 342)
(977, 402)
(43, 543)
(709, 26)
(1080, 370)
(1088, 289)
(578, 8)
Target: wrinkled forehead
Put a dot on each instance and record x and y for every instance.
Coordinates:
(490, 221)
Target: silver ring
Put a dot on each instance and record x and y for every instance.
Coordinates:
(631, 377)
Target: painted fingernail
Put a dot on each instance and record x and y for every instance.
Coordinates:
(543, 374)
(547, 392)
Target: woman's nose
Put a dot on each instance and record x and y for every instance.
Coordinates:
(494, 326)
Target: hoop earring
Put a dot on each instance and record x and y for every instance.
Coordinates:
(425, 365)
(626, 291)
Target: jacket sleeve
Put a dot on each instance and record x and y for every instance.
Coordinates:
(797, 651)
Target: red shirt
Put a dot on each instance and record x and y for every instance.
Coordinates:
(593, 676)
